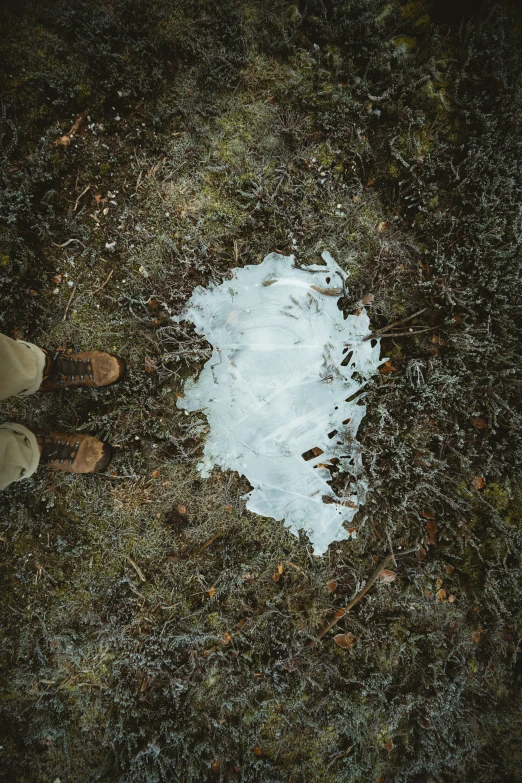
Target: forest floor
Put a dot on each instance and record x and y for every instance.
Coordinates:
(153, 629)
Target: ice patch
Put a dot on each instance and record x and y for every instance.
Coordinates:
(278, 390)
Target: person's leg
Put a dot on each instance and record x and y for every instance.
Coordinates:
(19, 453)
(21, 367)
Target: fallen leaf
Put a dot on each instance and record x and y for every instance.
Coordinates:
(370, 183)
(182, 509)
(258, 751)
(211, 592)
(431, 529)
(63, 141)
(340, 612)
(428, 514)
(382, 226)
(228, 508)
(387, 576)
(276, 577)
(441, 595)
(227, 638)
(476, 636)
(480, 423)
(56, 279)
(150, 365)
(421, 553)
(452, 598)
(388, 744)
(216, 766)
(332, 585)
(345, 639)
(427, 593)
(280, 568)
(449, 568)
(155, 473)
(387, 367)
(480, 482)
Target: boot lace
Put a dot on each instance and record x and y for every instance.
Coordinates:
(53, 449)
(62, 368)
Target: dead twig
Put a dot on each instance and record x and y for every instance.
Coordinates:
(104, 283)
(80, 196)
(136, 568)
(69, 242)
(395, 323)
(407, 334)
(371, 580)
(211, 540)
(70, 300)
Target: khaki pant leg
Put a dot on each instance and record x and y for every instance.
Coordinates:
(21, 367)
(19, 453)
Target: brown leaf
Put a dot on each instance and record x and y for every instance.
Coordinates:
(211, 592)
(331, 586)
(155, 473)
(441, 595)
(449, 568)
(280, 568)
(216, 766)
(480, 423)
(452, 598)
(258, 751)
(63, 141)
(421, 553)
(476, 636)
(182, 509)
(345, 639)
(387, 367)
(388, 744)
(276, 577)
(480, 482)
(340, 612)
(227, 638)
(150, 365)
(327, 291)
(382, 226)
(431, 529)
(428, 514)
(370, 183)
(387, 576)
(228, 508)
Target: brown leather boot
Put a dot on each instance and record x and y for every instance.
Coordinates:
(73, 453)
(91, 368)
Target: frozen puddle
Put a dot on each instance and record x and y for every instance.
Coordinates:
(279, 390)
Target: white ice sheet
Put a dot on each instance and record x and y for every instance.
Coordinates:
(275, 389)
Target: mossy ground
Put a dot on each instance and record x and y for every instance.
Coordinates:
(152, 628)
